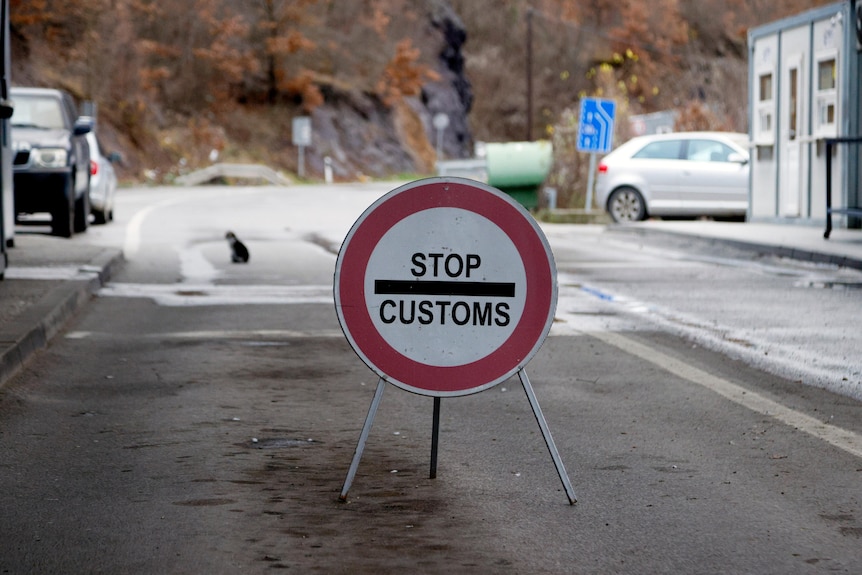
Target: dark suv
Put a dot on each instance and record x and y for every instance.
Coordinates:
(52, 158)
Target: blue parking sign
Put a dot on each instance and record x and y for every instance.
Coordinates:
(596, 125)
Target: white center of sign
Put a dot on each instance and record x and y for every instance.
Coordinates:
(442, 289)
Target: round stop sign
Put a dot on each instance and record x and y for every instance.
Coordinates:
(445, 287)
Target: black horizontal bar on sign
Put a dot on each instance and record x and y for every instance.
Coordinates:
(412, 287)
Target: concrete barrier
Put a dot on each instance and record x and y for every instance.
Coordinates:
(516, 168)
(472, 168)
(247, 171)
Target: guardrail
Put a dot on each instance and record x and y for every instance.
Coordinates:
(248, 171)
(473, 168)
(849, 210)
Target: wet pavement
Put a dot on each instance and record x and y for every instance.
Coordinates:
(805, 243)
(202, 457)
(49, 279)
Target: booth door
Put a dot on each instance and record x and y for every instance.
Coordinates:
(790, 188)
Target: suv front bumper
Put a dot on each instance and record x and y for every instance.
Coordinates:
(40, 191)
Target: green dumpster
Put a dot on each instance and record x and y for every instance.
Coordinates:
(519, 168)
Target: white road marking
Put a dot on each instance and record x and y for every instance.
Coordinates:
(78, 334)
(50, 272)
(133, 228)
(250, 334)
(244, 335)
(764, 350)
(206, 294)
(841, 438)
(195, 267)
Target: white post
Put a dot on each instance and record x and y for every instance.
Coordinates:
(590, 182)
(327, 169)
(300, 171)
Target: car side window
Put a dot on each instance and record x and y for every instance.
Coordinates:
(708, 151)
(71, 112)
(661, 150)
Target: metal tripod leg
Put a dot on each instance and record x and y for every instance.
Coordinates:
(546, 433)
(435, 434)
(363, 437)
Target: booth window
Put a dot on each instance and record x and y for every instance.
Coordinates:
(827, 96)
(765, 108)
(794, 103)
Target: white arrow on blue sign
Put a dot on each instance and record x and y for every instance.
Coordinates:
(596, 126)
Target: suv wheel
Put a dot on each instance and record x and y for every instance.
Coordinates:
(82, 211)
(63, 214)
(626, 205)
(99, 217)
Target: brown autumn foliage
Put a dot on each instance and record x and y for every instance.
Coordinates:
(230, 74)
(402, 75)
(158, 71)
(689, 56)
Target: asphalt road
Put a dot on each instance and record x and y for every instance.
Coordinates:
(790, 318)
(200, 417)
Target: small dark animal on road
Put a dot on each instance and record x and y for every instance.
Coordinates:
(238, 251)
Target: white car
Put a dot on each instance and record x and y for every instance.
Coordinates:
(684, 174)
(103, 182)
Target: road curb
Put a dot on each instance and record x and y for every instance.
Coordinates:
(751, 246)
(34, 328)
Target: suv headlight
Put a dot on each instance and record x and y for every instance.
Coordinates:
(49, 157)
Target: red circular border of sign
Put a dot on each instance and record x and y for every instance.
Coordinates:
(390, 364)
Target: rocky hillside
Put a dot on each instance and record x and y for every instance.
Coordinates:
(178, 84)
(363, 132)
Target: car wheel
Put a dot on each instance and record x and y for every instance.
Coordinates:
(626, 205)
(99, 217)
(82, 212)
(63, 214)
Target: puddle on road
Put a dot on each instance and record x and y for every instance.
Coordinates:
(191, 293)
(205, 502)
(276, 443)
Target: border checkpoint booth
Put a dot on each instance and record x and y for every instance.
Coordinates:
(805, 118)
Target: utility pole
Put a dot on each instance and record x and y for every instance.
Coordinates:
(529, 118)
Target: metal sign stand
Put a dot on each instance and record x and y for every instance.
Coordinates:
(537, 412)
(459, 357)
(546, 433)
(435, 433)
(595, 134)
(591, 179)
(363, 437)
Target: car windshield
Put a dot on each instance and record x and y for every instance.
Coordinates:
(37, 112)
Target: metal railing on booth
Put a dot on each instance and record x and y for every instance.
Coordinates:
(855, 211)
